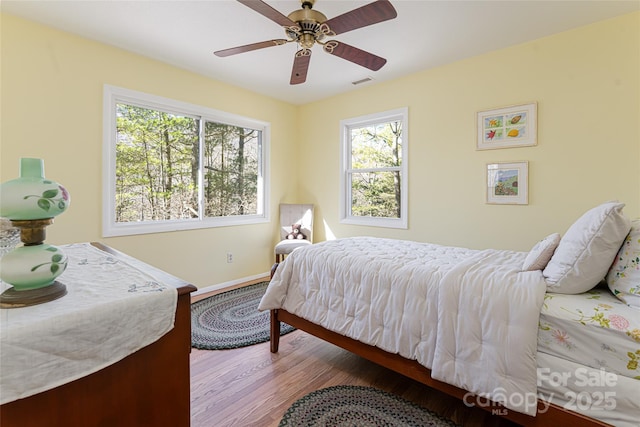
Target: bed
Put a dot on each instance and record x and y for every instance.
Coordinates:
(534, 337)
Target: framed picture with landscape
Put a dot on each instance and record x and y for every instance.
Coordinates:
(508, 183)
(507, 127)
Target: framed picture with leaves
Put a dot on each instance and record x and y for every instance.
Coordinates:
(514, 126)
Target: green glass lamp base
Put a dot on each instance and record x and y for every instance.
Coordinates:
(12, 298)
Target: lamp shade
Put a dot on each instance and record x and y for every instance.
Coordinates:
(32, 196)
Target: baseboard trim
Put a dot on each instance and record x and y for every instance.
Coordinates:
(219, 286)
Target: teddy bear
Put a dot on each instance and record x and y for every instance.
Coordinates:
(296, 232)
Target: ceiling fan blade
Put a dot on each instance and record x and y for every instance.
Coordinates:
(355, 55)
(267, 11)
(369, 14)
(300, 66)
(250, 47)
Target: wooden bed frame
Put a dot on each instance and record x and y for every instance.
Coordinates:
(554, 416)
(150, 387)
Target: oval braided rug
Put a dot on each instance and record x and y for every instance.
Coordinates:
(231, 319)
(358, 406)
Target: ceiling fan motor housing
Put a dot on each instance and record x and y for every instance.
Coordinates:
(310, 22)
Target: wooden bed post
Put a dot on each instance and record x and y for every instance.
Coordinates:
(275, 323)
(275, 331)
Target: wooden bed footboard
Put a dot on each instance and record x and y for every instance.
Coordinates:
(553, 415)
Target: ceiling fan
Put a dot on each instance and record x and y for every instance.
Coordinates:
(307, 27)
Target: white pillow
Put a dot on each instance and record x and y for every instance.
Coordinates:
(587, 250)
(624, 275)
(539, 256)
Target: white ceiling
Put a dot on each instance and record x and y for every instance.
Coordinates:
(426, 34)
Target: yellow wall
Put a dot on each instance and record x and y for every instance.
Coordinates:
(587, 86)
(586, 83)
(52, 84)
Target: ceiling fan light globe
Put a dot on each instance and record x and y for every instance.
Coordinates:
(292, 32)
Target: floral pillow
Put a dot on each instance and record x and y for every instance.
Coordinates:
(623, 277)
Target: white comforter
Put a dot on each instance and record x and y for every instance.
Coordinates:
(470, 316)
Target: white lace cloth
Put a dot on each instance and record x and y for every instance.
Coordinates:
(111, 310)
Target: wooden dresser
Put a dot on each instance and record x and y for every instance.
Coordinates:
(150, 387)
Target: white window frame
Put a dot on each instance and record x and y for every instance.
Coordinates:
(112, 96)
(346, 125)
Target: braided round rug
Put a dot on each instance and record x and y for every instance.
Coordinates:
(231, 319)
(358, 406)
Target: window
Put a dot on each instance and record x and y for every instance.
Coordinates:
(374, 169)
(174, 166)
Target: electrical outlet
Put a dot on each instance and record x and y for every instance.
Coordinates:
(229, 257)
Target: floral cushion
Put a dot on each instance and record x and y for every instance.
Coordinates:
(624, 275)
(539, 256)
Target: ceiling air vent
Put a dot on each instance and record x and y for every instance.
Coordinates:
(359, 82)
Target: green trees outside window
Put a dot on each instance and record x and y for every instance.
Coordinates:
(376, 158)
(161, 173)
(374, 169)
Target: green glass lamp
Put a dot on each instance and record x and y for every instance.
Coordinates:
(31, 202)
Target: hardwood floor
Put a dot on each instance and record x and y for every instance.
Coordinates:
(250, 386)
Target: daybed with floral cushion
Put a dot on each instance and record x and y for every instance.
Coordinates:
(549, 337)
